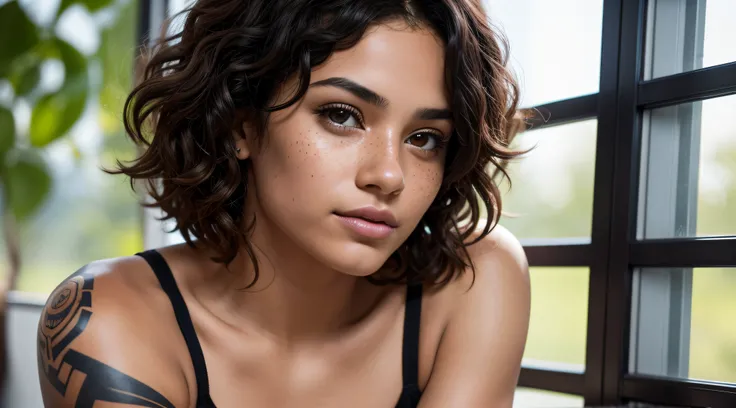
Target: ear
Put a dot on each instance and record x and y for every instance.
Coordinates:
(243, 140)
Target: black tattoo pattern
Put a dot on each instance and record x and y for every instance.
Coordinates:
(65, 317)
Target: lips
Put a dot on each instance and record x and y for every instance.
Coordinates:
(369, 222)
(372, 214)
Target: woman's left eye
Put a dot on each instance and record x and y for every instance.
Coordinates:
(424, 141)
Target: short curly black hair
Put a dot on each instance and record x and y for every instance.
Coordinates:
(228, 61)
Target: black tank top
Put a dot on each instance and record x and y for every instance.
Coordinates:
(410, 393)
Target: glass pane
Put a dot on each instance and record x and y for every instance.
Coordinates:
(682, 323)
(551, 192)
(531, 398)
(88, 215)
(159, 233)
(687, 35)
(555, 45)
(175, 7)
(559, 316)
(688, 173)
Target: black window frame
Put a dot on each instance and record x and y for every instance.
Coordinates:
(614, 252)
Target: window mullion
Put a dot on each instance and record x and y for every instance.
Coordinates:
(662, 297)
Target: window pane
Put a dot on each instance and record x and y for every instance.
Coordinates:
(559, 317)
(688, 173)
(555, 45)
(175, 7)
(551, 193)
(531, 398)
(88, 215)
(682, 323)
(158, 232)
(688, 34)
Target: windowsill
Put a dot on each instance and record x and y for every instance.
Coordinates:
(27, 299)
(553, 366)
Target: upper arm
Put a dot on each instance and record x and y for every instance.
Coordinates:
(91, 348)
(479, 357)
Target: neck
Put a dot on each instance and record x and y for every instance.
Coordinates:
(295, 297)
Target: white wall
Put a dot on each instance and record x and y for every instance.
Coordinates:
(22, 389)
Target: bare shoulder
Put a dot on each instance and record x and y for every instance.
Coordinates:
(498, 258)
(485, 314)
(499, 266)
(102, 337)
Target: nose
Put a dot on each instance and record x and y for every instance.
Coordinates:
(380, 169)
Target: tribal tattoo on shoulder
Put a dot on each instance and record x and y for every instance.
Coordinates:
(65, 317)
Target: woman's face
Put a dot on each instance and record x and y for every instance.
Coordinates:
(367, 142)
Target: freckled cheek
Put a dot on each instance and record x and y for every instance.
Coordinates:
(301, 166)
(426, 182)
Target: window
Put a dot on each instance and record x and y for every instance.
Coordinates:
(681, 323)
(551, 192)
(558, 319)
(688, 176)
(555, 46)
(688, 34)
(658, 260)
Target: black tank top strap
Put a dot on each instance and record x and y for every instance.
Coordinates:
(410, 347)
(412, 319)
(410, 392)
(168, 284)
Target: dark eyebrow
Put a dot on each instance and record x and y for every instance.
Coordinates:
(356, 89)
(375, 99)
(433, 114)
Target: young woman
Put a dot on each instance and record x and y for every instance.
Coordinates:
(329, 164)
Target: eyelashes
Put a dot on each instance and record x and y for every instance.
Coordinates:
(336, 115)
(340, 108)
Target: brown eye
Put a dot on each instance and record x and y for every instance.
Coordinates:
(425, 141)
(419, 139)
(339, 116)
(342, 117)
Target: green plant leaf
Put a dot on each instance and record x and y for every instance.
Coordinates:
(26, 74)
(7, 132)
(91, 5)
(18, 34)
(74, 62)
(27, 183)
(54, 114)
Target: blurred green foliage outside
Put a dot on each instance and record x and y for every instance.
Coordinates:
(87, 214)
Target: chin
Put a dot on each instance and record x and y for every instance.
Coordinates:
(355, 258)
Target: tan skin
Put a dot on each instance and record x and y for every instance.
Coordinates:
(313, 332)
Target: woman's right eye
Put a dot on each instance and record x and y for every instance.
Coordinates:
(341, 117)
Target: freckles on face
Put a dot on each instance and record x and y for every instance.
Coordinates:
(370, 132)
(424, 183)
(297, 164)
(406, 68)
